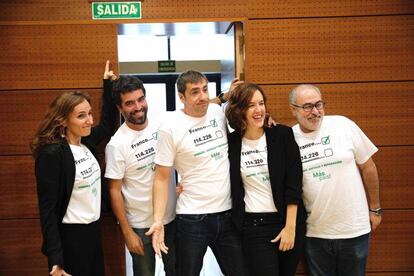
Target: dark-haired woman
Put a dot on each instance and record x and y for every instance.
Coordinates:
(266, 183)
(68, 181)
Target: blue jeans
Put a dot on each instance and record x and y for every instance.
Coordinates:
(196, 232)
(145, 265)
(337, 257)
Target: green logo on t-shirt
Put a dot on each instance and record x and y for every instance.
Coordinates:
(321, 175)
(325, 140)
(213, 123)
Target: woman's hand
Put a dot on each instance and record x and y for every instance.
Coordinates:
(286, 237)
(109, 74)
(58, 271)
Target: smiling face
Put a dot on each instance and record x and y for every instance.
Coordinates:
(79, 122)
(134, 108)
(195, 98)
(255, 113)
(308, 120)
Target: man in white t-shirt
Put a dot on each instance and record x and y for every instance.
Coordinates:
(130, 169)
(194, 140)
(340, 186)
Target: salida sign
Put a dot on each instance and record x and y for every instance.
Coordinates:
(116, 10)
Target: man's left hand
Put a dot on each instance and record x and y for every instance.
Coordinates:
(375, 221)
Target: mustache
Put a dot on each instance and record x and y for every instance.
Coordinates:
(312, 116)
(139, 110)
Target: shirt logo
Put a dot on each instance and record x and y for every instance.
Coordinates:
(325, 140)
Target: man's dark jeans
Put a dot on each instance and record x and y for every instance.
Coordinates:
(196, 232)
(339, 257)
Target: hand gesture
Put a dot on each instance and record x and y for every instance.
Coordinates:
(109, 74)
(157, 232)
(286, 237)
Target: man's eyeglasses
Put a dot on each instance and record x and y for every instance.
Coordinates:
(308, 106)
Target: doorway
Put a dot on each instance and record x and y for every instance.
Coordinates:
(214, 48)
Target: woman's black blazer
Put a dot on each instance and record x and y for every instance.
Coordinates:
(55, 177)
(285, 171)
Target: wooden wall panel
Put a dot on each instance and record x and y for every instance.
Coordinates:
(20, 248)
(330, 49)
(61, 10)
(185, 9)
(392, 246)
(21, 242)
(21, 112)
(390, 273)
(55, 56)
(396, 174)
(317, 8)
(383, 110)
(367, 273)
(18, 196)
(45, 10)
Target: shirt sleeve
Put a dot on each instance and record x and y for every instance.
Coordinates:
(165, 154)
(363, 147)
(115, 162)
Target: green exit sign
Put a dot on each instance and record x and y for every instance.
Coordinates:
(166, 66)
(116, 10)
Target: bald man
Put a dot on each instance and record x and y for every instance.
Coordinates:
(340, 186)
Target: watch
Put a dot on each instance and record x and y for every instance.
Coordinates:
(221, 98)
(376, 211)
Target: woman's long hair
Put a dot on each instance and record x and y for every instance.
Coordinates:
(51, 129)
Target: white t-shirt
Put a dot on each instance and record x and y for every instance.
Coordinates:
(130, 156)
(85, 202)
(198, 149)
(333, 191)
(254, 171)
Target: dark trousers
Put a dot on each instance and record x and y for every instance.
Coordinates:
(263, 257)
(196, 232)
(337, 257)
(144, 265)
(82, 249)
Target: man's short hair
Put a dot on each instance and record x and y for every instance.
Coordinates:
(190, 76)
(125, 84)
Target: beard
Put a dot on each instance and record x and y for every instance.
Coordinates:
(131, 118)
(315, 126)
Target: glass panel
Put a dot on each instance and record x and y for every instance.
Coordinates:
(156, 96)
(142, 48)
(202, 47)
